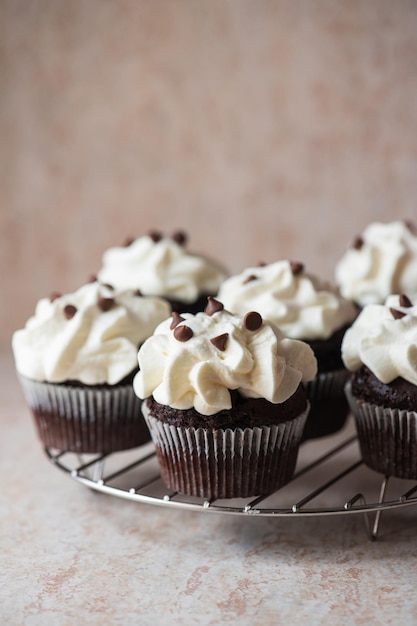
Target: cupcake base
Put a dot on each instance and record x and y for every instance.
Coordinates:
(226, 462)
(387, 437)
(86, 419)
(329, 406)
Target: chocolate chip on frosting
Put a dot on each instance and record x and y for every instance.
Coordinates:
(213, 306)
(54, 296)
(128, 241)
(69, 311)
(357, 243)
(105, 304)
(405, 301)
(249, 279)
(155, 236)
(252, 320)
(176, 319)
(137, 292)
(180, 237)
(411, 226)
(220, 341)
(296, 268)
(183, 333)
(397, 315)
(92, 278)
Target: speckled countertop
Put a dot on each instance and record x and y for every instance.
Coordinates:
(72, 556)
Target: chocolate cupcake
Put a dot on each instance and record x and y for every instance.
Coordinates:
(381, 261)
(76, 358)
(224, 402)
(305, 308)
(381, 351)
(161, 266)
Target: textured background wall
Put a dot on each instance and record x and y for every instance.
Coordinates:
(266, 129)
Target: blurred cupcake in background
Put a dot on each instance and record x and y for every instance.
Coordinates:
(381, 261)
(76, 358)
(224, 402)
(305, 308)
(380, 349)
(161, 266)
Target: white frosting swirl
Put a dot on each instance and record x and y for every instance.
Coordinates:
(384, 341)
(160, 268)
(383, 262)
(260, 363)
(93, 346)
(303, 306)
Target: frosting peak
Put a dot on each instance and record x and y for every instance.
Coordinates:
(194, 361)
(160, 266)
(91, 335)
(383, 338)
(301, 305)
(382, 261)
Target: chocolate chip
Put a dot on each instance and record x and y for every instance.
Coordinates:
(252, 320)
(220, 341)
(128, 241)
(54, 296)
(155, 236)
(397, 315)
(213, 306)
(180, 237)
(176, 319)
(405, 301)
(261, 264)
(357, 243)
(137, 292)
(92, 278)
(249, 279)
(296, 268)
(69, 311)
(108, 286)
(183, 333)
(411, 226)
(105, 304)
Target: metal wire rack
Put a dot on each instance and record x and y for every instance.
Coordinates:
(330, 479)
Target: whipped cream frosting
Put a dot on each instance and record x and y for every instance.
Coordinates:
(383, 338)
(160, 266)
(381, 262)
(194, 360)
(303, 306)
(91, 335)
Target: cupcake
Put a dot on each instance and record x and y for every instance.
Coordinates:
(161, 266)
(308, 309)
(380, 349)
(224, 402)
(76, 358)
(381, 261)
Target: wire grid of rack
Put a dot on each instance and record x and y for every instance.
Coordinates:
(330, 479)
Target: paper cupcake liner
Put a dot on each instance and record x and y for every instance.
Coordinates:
(329, 407)
(86, 419)
(226, 463)
(387, 437)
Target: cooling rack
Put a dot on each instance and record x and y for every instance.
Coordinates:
(330, 479)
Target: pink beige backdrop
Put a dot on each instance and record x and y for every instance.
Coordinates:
(265, 129)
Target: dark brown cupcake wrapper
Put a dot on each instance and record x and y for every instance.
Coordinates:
(226, 463)
(329, 408)
(86, 419)
(387, 437)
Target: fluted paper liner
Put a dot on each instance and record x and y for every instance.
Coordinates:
(86, 419)
(387, 437)
(226, 463)
(329, 408)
